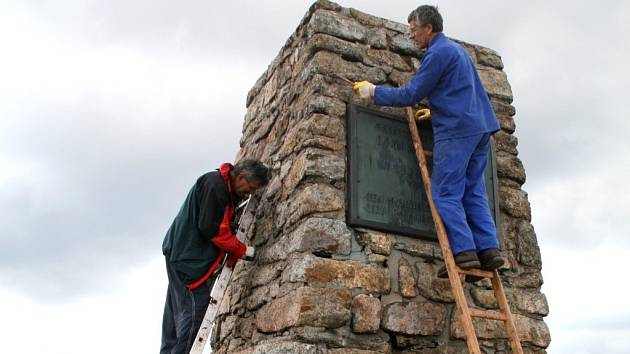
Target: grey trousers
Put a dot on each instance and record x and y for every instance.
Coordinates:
(183, 312)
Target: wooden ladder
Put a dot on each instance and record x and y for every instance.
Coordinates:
(455, 273)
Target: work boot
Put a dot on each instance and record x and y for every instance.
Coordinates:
(464, 260)
(490, 259)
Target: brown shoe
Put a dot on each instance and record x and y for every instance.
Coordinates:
(464, 260)
(490, 259)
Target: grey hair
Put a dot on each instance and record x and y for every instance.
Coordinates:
(427, 15)
(253, 171)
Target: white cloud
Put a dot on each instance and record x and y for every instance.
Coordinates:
(589, 311)
(124, 319)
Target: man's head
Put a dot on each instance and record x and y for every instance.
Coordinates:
(247, 176)
(424, 23)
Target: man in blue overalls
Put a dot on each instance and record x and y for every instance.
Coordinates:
(463, 121)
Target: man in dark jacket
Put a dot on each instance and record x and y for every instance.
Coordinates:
(195, 244)
(463, 121)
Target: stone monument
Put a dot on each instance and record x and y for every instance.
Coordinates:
(319, 285)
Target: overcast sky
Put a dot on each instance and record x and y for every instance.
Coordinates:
(109, 110)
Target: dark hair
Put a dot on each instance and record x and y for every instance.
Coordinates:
(427, 15)
(253, 171)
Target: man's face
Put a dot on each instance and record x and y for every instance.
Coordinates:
(243, 187)
(421, 35)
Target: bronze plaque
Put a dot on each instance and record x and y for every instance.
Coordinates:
(384, 185)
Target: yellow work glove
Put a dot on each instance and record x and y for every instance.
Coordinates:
(423, 114)
(363, 89)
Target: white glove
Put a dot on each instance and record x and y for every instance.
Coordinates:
(250, 253)
(363, 89)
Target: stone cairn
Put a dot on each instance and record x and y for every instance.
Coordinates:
(320, 286)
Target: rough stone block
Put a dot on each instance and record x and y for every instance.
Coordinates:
(318, 130)
(506, 142)
(406, 279)
(414, 318)
(330, 106)
(366, 314)
(401, 44)
(313, 162)
(419, 248)
(344, 337)
(495, 82)
(226, 327)
(514, 202)
(347, 50)
(331, 64)
(510, 166)
(528, 252)
(500, 107)
(430, 285)
(488, 57)
(349, 274)
(529, 330)
(314, 198)
(325, 4)
(352, 351)
(484, 298)
(366, 19)
(379, 243)
(484, 328)
(396, 26)
(384, 58)
(323, 21)
(318, 235)
(264, 274)
(533, 331)
(526, 280)
(278, 315)
(377, 258)
(322, 307)
(506, 122)
(377, 38)
(330, 86)
(532, 301)
(262, 295)
(246, 327)
(284, 347)
(399, 78)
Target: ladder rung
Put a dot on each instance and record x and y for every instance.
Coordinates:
(493, 315)
(477, 272)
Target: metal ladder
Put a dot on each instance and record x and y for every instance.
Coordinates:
(218, 289)
(455, 273)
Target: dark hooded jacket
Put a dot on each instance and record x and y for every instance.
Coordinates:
(202, 232)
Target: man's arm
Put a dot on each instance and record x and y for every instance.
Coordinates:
(423, 82)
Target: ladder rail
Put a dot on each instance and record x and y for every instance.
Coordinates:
(510, 326)
(454, 272)
(449, 260)
(217, 292)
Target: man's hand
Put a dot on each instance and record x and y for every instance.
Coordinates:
(363, 89)
(250, 254)
(423, 114)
